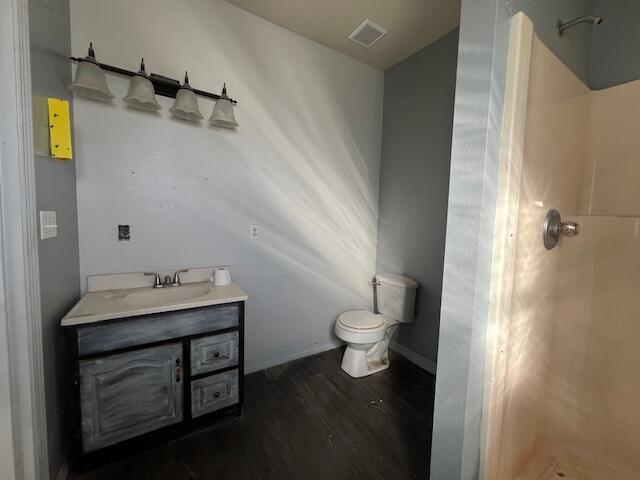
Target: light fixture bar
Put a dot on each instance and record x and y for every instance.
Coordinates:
(165, 86)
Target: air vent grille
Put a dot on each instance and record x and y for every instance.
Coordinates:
(367, 33)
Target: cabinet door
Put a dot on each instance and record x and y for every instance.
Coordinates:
(128, 394)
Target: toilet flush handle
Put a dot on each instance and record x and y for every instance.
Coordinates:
(374, 282)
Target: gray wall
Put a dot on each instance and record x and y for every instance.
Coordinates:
(614, 51)
(414, 180)
(482, 52)
(55, 190)
(574, 47)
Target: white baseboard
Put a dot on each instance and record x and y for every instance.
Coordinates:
(415, 358)
(287, 354)
(293, 353)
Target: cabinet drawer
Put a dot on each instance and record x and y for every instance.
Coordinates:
(105, 336)
(214, 353)
(213, 393)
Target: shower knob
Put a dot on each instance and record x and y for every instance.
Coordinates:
(553, 227)
(569, 229)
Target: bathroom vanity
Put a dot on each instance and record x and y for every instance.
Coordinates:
(147, 364)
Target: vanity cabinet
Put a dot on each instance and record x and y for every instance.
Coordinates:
(142, 380)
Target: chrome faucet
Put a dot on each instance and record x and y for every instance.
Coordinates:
(176, 277)
(157, 283)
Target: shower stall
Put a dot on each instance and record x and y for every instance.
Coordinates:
(562, 394)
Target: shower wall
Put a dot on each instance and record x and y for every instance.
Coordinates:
(569, 363)
(614, 144)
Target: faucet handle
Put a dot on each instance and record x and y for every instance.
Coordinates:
(157, 283)
(176, 277)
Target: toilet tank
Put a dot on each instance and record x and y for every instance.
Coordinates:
(396, 296)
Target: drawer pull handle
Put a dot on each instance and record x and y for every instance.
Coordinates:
(216, 395)
(216, 355)
(178, 370)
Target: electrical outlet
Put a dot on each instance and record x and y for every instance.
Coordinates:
(124, 233)
(254, 231)
(48, 225)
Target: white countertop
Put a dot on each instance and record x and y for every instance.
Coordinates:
(104, 305)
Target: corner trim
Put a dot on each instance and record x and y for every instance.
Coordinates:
(504, 252)
(286, 354)
(19, 267)
(415, 358)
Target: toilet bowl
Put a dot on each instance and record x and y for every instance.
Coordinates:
(363, 330)
(368, 334)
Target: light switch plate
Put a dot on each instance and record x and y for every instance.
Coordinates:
(48, 225)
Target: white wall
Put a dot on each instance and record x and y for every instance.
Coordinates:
(303, 164)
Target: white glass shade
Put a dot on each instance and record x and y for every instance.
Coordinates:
(90, 81)
(223, 115)
(186, 105)
(141, 94)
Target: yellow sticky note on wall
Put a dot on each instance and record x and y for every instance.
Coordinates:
(60, 129)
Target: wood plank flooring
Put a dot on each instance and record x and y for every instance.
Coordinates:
(306, 420)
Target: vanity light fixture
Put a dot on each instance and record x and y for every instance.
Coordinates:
(141, 94)
(186, 104)
(90, 81)
(223, 115)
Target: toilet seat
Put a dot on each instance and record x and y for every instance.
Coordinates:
(361, 321)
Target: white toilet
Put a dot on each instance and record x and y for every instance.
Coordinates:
(368, 334)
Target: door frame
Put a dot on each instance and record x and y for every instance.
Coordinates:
(22, 400)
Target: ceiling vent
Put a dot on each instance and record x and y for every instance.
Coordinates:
(367, 33)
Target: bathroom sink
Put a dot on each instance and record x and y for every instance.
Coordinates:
(158, 296)
(130, 302)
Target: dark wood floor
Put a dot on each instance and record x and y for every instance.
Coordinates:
(305, 420)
